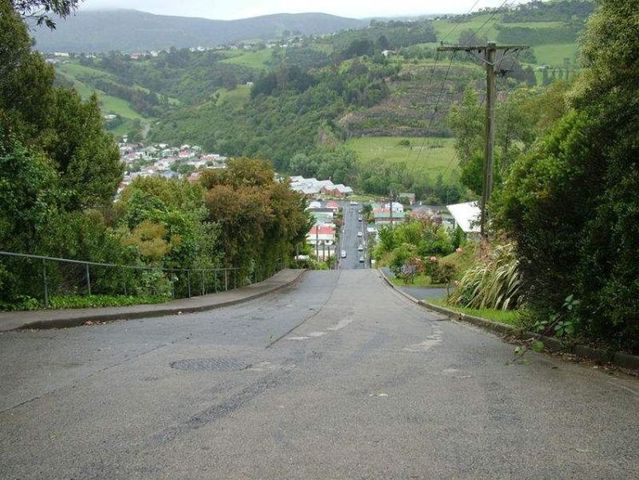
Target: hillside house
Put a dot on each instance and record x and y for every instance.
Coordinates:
(321, 235)
(466, 216)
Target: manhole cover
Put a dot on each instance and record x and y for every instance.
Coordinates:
(209, 364)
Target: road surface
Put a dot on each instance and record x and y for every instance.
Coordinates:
(350, 241)
(339, 377)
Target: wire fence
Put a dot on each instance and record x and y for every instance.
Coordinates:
(44, 277)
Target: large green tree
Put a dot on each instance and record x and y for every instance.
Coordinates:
(572, 203)
(54, 121)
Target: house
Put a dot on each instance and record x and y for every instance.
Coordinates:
(322, 216)
(397, 207)
(343, 190)
(321, 235)
(384, 216)
(466, 216)
(333, 205)
(313, 187)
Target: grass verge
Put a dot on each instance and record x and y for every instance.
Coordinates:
(419, 281)
(93, 301)
(508, 317)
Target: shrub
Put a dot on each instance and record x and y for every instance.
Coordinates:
(494, 282)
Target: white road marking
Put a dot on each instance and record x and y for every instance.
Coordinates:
(628, 389)
(316, 334)
(344, 322)
(430, 342)
(297, 338)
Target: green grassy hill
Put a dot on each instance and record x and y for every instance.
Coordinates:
(419, 157)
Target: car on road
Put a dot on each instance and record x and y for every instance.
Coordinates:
(359, 219)
(359, 234)
(361, 259)
(343, 254)
(360, 248)
(354, 203)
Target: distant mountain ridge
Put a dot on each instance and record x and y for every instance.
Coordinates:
(132, 30)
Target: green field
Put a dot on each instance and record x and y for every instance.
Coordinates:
(108, 103)
(484, 25)
(75, 70)
(423, 157)
(554, 54)
(252, 59)
(443, 28)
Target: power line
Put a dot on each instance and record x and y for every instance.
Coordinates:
(456, 26)
(450, 32)
(432, 117)
(492, 15)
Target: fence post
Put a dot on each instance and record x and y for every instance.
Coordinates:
(88, 279)
(188, 278)
(44, 278)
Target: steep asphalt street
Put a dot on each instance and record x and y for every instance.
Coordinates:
(337, 377)
(349, 240)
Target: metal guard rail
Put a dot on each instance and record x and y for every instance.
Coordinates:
(188, 272)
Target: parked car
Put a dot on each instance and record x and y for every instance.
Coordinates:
(361, 259)
(343, 254)
(359, 234)
(359, 219)
(360, 248)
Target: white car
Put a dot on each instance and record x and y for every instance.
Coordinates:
(359, 234)
(343, 254)
(354, 203)
(360, 248)
(361, 259)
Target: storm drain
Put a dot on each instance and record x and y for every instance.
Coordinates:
(209, 365)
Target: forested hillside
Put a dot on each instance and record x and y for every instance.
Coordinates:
(135, 31)
(306, 97)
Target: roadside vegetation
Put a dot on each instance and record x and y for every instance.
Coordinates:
(563, 213)
(59, 173)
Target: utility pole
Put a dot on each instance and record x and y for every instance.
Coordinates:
(490, 60)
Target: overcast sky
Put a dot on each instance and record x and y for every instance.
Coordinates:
(231, 9)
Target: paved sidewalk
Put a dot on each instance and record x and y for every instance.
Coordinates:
(75, 317)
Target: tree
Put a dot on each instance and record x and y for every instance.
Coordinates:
(260, 220)
(29, 195)
(85, 155)
(42, 9)
(571, 203)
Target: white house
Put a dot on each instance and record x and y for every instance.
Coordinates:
(467, 216)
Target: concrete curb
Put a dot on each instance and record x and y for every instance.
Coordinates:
(620, 359)
(80, 317)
